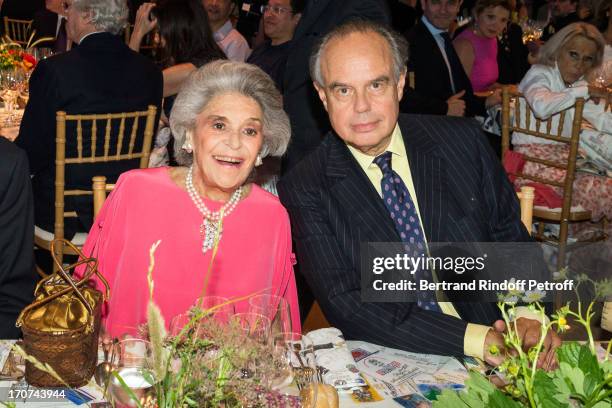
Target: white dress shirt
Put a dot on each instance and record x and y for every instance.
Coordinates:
(232, 43)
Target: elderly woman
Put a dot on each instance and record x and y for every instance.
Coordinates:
(553, 85)
(228, 117)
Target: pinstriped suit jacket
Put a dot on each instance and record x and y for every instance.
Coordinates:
(463, 195)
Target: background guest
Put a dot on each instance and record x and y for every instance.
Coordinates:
(50, 22)
(476, 46)
(563, 13)
(553, 85)
(512, 54)
(280, 19)
(441, 85)
(229, 115)
(186, 40)
(229, 39)
(101, 75)
(17, 275)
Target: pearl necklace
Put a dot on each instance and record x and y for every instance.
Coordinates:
(210, 221)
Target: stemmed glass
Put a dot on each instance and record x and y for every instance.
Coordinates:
(294, 360)
(218, 307)
(276, 308)
(134, 365)
(12, 83)
(254, 326)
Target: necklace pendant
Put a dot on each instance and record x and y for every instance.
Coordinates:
(209, 230)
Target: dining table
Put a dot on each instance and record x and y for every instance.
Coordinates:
(389, 373)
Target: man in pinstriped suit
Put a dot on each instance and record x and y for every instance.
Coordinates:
(333, 196)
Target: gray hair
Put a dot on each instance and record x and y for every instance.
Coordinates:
(106, 15)
(223, 76)
(550, 51)
(397, 44)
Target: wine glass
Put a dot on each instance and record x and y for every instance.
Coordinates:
(218, 307)
(294, 360)
(134, 365)
(254, 326)
(11, 84)
(276, 308)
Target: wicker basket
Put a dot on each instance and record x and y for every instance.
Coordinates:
(70, 347)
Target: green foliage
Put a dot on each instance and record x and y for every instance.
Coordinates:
(579, 381)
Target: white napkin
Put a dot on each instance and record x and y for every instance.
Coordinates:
(333, 355)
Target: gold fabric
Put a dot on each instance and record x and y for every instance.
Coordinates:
(65, 313)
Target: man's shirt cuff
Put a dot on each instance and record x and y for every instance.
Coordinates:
(474, 340)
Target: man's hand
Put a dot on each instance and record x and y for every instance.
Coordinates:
(529, 331)
(494, 349)
(456, 105)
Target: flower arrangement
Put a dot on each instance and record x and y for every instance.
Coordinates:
(13, 55)
(579, 381)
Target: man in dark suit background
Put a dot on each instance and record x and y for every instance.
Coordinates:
(309, 122)
(441, 84)
(101, 75)
(17, 275)
(441, 172)
(50, 22)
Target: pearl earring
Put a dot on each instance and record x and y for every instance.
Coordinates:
(187, 143)
(258, 161)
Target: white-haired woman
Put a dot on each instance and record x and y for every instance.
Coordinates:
(228, 116)
(553, 85)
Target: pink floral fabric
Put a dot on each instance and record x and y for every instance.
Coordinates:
(591, 191)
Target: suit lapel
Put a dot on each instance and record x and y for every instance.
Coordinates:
(357, 196)
(428, 176)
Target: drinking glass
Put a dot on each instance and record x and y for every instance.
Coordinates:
(12, 82)
(254, 326)
(294, 359)
(276, 308)
(133, 364)
(218, 307)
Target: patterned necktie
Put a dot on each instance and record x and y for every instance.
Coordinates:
(454, 62)
(403, 212)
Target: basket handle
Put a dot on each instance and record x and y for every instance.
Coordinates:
(73, 286)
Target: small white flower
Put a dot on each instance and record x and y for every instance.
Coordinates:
(532, 296)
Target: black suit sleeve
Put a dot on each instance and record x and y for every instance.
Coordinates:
(17, 275)
(415, 102)
(37, 131)
(336, 285)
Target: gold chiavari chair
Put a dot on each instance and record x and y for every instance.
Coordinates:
(546, 131)
(100, 189)
(118, 145)
(19, 31)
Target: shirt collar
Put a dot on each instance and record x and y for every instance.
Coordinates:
(396, 147)
(88, 34)
(432, 29)
(222, 32)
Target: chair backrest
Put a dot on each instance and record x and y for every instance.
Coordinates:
(18, 31)
(99, 188)
(523, 125)
(121, 150)
(526, 197)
